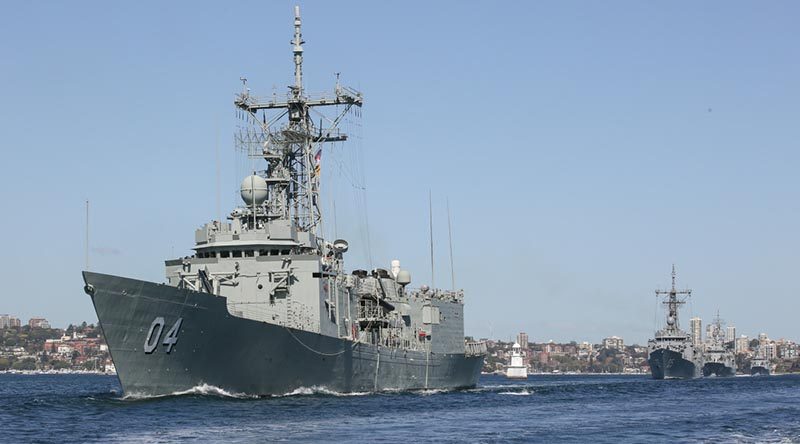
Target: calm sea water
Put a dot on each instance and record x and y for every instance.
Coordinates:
(88, 408)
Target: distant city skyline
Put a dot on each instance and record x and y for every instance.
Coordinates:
(583, 149)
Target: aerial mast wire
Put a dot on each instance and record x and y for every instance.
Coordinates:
(450, 238)
(86, 247)
(430, 230)
(216, 155)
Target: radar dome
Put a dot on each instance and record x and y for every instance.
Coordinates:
(254, 190)
(403, 277)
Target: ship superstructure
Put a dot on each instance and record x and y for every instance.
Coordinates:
(718, 360)
(265, 305)
(671, 354)
(516, 368)
(760, 366)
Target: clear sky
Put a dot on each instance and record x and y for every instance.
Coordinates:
(584, 147)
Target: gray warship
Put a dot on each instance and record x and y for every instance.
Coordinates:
(671, 353)
(718, 360)
(264, 306)
(760, 366)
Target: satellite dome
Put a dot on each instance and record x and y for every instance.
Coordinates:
(403, 277)
(254, 190)
(671, 320)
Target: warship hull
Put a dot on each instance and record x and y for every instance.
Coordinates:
(759, 371)
(209, 346)
(717, 369)
(669, 364)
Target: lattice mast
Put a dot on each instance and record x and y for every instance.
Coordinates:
(673, 302)
(286, 137)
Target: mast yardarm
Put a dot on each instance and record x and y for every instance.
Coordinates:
(672, 302)
(285, 136)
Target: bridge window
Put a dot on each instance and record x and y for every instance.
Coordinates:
(224, 254)
(249, 253)
(237, 253)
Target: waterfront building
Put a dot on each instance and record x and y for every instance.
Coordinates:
(4, 321)
(522, 340)
(730, 333)
(696, 325)
(770, 351)
(544, 357)
(789, 351)
(614, 342)
(38, 323)
(742, 344)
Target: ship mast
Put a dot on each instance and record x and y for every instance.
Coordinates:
(672, 302)
(292, 149)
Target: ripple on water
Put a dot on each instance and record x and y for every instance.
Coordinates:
(546, 409)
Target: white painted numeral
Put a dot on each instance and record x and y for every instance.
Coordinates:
(172, 335)
(154, 335)
(150, 344)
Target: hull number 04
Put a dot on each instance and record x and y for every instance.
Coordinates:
(154, 335)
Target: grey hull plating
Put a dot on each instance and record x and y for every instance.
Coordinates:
(245, 356)
(670, 364)
(717, 369)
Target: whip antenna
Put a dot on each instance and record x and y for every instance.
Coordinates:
(430, 229)
(450, 238)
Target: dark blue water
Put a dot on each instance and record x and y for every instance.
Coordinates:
(81, 408)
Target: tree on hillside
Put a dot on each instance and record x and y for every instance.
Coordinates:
(25, 364)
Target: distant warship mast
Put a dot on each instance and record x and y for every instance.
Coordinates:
(718, 333)
(293, 149)
(673, 302)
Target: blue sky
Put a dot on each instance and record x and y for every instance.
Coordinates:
(584, 147)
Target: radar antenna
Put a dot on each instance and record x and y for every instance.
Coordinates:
(673, 302)
(292, 149)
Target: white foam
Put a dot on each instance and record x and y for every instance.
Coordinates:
(433, 391)
(320, 390)
(211, 390)
(522, 393)
(203, 389)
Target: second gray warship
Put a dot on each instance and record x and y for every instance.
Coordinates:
(760, 366)
(718, 360)
(671, 354)
(264, 305)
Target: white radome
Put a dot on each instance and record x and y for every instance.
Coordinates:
(254, 190)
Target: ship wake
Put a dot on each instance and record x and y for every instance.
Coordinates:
(519, 393)
(319, 390)
(198, 390)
